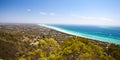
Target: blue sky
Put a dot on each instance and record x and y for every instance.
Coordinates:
(82, 12)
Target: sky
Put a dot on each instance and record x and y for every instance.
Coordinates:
(79, 12)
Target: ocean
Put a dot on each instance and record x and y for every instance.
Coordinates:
(106, 34)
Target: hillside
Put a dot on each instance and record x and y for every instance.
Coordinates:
(34, 42)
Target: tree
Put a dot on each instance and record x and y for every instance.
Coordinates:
(48, 49)
(78, 49)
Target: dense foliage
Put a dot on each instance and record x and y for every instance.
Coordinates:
(71, 49)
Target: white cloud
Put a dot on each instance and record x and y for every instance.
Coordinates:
(43, 13)
(28, 10)
(83, 17)
(51, 13)
(99, 21)
(106, 19)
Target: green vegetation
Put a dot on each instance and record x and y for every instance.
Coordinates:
(114, 51)
(71, 49)
(15, 45)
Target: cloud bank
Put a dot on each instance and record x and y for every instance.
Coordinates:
(99, 21)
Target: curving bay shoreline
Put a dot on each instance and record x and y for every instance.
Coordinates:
(91, 37)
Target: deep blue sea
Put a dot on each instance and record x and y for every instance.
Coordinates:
(106, 34)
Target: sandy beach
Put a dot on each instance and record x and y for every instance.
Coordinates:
(94, 38)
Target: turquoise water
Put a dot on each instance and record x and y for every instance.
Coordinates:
(106, 34)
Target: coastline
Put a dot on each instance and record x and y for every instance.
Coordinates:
(28, 36)
(98, 39)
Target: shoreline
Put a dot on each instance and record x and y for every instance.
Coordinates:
(81, 35)
(28, 38)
